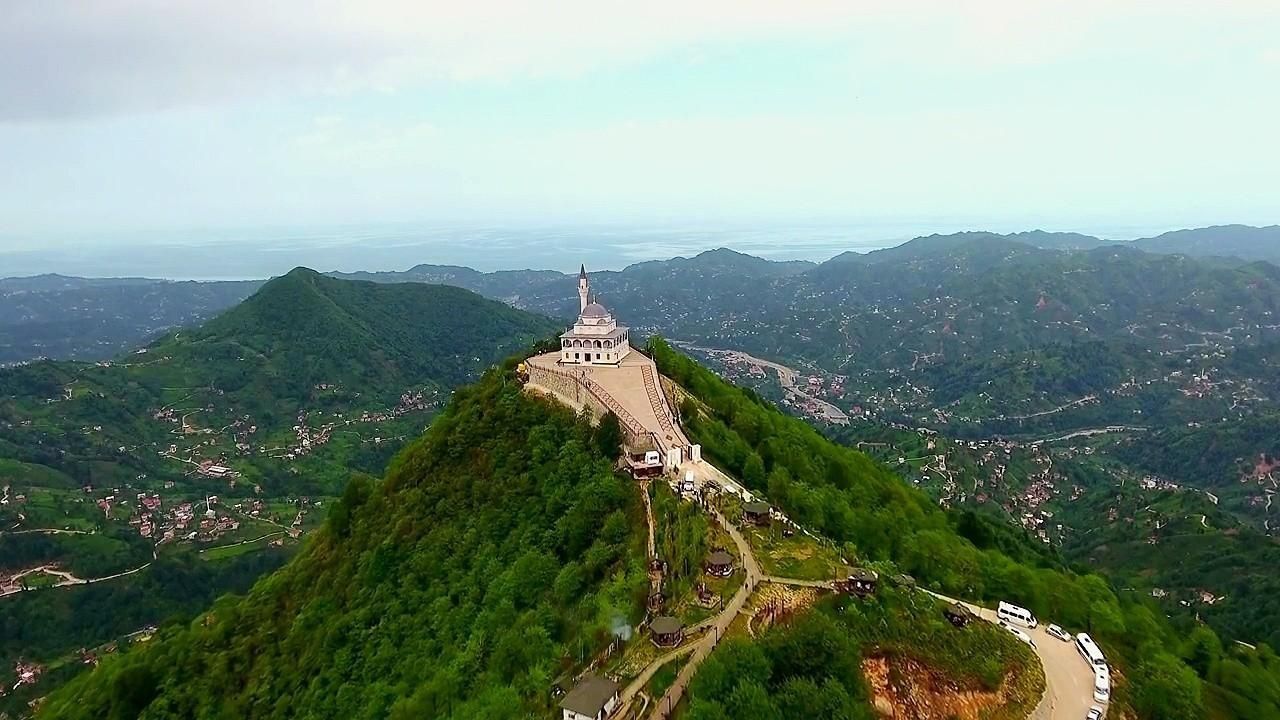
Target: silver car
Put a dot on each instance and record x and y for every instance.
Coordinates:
(1059, 633)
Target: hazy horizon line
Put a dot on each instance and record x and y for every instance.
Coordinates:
(373, 248)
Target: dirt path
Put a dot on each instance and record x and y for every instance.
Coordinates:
(46, 531)
(648, 516)
(246, 542)
(655, 576)
(796, 582)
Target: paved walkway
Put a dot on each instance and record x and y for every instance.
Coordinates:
(704, 645)
(636, 686)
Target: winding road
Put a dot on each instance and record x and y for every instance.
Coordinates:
(786, 377)
(1068, 692)
(1068, 678)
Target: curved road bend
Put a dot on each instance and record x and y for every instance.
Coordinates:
(1068, 692)
(1068, 678)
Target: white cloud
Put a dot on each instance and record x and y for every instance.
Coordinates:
(61, 58)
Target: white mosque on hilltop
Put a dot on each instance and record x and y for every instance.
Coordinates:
(596, 338)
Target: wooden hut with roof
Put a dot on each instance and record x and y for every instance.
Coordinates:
(592, 698)
(756, 513)
(642, 457)
(719, 564)
(861, 582)
(666, 631)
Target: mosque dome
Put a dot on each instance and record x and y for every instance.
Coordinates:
(595, 310)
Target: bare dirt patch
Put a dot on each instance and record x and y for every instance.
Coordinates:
(904, 689)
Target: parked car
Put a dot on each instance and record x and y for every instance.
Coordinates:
(1019, 634)
(1095, 713)
(1059, 633)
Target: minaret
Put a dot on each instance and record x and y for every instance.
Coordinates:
(584, 287)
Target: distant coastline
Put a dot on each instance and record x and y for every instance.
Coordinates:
(232, 255)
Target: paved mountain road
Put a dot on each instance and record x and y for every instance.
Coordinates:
(1068, 678)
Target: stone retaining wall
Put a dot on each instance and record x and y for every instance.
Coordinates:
(582, 392)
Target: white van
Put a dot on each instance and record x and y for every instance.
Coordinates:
(1014, 614)
(1102, 685)
(1090, 651)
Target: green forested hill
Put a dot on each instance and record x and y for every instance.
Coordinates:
(501, 550)
(306, 329)
(1242, 241)
(500, 546)
(854, 501)
(193, 457)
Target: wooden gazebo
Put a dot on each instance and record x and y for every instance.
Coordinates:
(666, 631)
(720, 564)
(860, 582)
(756, 513)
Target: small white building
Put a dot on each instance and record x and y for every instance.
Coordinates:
(596, 338)
(593, 698)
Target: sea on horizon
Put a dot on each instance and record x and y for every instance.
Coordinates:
(267, 252)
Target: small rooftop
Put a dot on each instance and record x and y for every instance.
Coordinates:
(756, 508)
(720, 558)
(665, 625)
(590, 695)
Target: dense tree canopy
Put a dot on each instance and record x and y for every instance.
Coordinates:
(500, 550)
(855, 501)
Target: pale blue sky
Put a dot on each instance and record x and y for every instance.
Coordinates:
(140, 115)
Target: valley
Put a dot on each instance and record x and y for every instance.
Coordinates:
(1042, 427)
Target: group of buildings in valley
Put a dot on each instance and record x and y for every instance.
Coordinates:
(24, 673)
